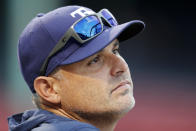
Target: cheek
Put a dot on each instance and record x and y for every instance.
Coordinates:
(82, 93)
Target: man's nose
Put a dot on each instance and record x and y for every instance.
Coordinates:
(119, 66)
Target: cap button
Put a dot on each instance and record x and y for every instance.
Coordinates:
(40, 14)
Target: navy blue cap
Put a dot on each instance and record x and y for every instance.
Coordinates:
(45, 30)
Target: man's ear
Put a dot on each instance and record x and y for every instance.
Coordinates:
(48, 89)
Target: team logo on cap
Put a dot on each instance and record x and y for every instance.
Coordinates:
(82, 12)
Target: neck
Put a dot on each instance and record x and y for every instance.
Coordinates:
(59, 111)
(103, 121)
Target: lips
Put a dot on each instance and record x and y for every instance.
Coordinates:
(121, 85)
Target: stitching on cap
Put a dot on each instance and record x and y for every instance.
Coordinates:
(34, 75)
(57, 61)
(47, 31)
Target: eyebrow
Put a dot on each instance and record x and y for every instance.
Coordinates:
(116, 44)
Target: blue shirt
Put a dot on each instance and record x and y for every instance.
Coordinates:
(42, 120)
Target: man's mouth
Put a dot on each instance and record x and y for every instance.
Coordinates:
(123, 84)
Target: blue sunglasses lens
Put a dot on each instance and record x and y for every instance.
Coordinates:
(88, 27)
(109, 17)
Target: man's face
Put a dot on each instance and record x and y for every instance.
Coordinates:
(98, 84)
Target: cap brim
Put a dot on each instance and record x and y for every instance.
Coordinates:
(121, 32)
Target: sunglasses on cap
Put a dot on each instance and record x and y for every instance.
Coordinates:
(83, 30)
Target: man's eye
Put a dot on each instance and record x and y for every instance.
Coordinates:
(116, 51)
(95, 60)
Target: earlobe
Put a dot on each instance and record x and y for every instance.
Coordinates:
(47, 89)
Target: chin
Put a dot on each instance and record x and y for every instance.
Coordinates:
(129, 105)
(125, 106)
(132, 104)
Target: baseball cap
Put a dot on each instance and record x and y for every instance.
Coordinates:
(45, 30)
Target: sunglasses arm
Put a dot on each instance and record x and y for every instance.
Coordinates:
(62, 42)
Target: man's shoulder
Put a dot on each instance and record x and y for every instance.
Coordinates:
(42, 120)
(60, 123)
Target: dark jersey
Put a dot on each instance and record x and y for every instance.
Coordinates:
(42, 120)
